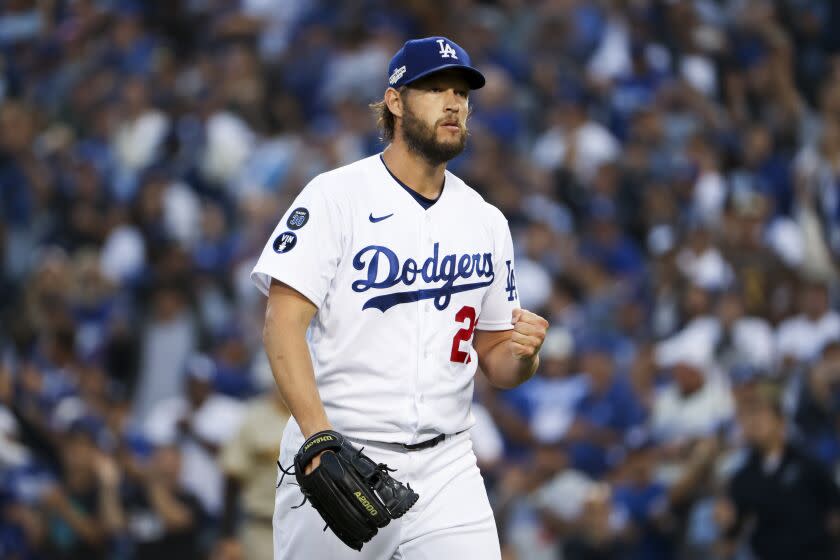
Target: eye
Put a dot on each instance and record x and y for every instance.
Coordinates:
(436, 89)
(462, 93)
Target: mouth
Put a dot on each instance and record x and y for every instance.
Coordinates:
(451, 126)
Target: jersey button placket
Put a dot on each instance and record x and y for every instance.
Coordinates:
(427, 243)
(422, 352)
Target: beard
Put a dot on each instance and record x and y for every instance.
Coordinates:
(422, 139)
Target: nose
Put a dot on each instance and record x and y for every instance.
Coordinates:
(453, 104)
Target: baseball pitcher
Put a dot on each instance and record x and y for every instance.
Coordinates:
(389, 283)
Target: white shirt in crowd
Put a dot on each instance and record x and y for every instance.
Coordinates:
(752, 337)
(137, 141)
(709, 196)
(707, 269)
(678, 417)
(802, 338)
(594, 143)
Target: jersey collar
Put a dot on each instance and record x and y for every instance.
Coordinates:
(424, 202)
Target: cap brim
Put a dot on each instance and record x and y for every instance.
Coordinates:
(475, 79)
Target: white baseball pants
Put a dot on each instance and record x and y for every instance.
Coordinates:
(451, 520)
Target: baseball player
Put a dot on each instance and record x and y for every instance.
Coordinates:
(389, 282)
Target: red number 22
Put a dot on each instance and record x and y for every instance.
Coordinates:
(464, 334)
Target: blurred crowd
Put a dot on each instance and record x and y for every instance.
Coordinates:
(671, 173)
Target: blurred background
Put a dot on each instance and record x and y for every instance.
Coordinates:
(671, 173)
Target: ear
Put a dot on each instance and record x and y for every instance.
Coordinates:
(393, 99)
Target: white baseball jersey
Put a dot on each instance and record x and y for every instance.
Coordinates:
(400, 290)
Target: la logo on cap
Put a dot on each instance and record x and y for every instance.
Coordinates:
(446, 50)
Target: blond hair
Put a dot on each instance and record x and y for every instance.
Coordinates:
(385, 119)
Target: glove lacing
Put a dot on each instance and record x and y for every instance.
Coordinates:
(289, 471)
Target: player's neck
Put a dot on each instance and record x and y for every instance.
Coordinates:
(414, 171)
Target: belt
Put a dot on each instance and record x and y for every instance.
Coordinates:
(423, 444)
(426, 444)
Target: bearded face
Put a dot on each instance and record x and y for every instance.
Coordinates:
(437, 142)
(434, 119)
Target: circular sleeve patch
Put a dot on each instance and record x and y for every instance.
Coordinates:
(285, 242)
(298, 218)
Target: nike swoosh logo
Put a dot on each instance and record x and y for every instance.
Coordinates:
(379, 219)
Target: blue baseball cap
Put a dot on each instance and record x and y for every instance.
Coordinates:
(420, 57)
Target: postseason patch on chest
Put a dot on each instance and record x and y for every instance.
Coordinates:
(298, 218)
(284, 242)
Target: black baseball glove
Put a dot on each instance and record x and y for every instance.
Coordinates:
(354, 495)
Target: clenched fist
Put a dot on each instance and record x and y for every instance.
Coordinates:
(528, 334)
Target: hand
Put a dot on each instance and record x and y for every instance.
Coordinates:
(528, 334)
(313, 464)
(309, 430)
(106, 471)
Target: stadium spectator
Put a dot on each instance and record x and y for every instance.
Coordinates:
(200, 422)
(603, 415)
(802, 337)
(816, 412)
(83, 511)
(161, 518)
(697, 402)
(789, 496)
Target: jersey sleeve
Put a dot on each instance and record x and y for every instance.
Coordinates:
(502, 297)
(304, 250)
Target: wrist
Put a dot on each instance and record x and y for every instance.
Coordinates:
(311, 427)
(530, 364)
